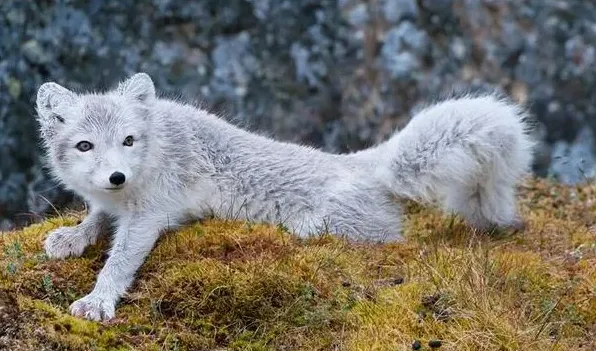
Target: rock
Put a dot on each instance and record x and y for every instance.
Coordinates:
(234, 65)
(340, 75)
(438, 6)
(35, 53)
(403, 50)
(395, 11)
(579, 54)
(358, 15)
(13, 190)
(435, 344)
(14, 88)
(574, 162)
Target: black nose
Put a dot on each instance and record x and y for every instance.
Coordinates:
(117, 178)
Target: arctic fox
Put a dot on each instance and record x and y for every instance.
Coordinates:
(148, 164)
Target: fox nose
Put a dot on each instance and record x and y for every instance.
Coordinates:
(117, 178)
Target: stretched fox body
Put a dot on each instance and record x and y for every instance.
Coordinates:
(149, 164)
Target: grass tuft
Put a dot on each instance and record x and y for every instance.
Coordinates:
(224, 285)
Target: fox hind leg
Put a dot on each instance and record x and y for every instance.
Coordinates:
(486, 206)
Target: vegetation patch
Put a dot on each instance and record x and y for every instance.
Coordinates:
(223, 285)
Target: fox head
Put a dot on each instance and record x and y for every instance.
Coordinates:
(97, 143)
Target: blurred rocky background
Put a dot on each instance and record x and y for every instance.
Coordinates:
(337, 74)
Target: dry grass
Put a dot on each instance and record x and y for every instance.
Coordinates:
(236, 286)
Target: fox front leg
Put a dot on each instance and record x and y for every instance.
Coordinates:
(72, 241)
(134, 239)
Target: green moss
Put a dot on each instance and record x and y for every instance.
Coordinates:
(240, 286)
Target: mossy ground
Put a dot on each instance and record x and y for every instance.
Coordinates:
(238, 286)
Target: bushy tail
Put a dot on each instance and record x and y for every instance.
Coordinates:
(469, 154)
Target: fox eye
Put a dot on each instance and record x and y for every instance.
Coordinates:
(128, 141)
(84, 146)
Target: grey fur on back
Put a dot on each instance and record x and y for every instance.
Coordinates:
(459, 152)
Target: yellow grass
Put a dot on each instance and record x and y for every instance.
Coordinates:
(238, 286)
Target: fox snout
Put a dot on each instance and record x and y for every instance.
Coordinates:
(117, 178)
(114, 179)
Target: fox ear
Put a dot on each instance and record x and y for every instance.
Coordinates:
(52, 98)
(139, 87)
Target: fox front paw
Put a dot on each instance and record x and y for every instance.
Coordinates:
(93, 307)
(64, 242)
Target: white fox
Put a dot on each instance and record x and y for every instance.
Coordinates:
(149, 164)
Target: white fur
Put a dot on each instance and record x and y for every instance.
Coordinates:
(468, 154)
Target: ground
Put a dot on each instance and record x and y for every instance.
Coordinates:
(240, 286)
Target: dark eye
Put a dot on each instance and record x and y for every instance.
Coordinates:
(128, 141)
(84, 146)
